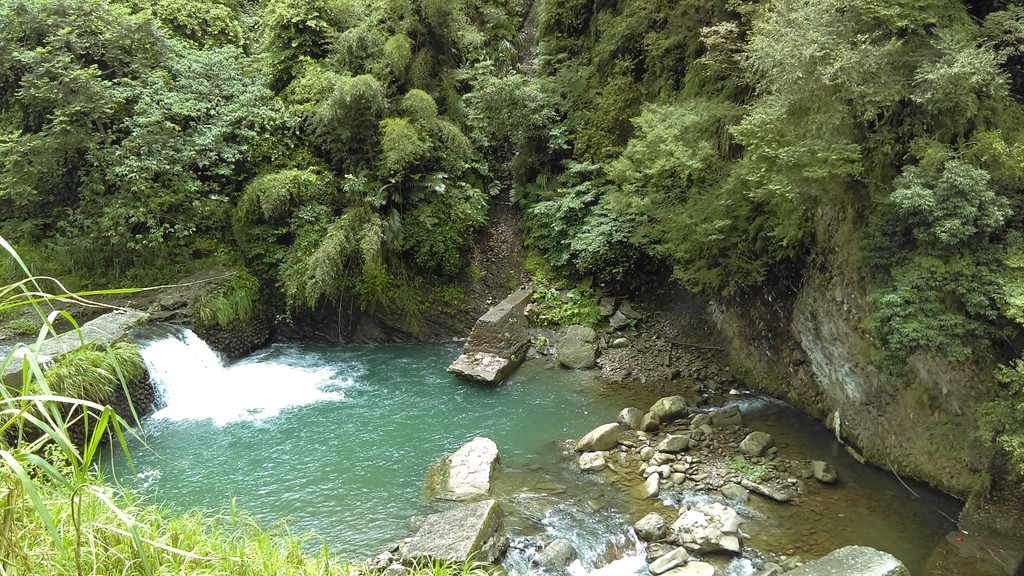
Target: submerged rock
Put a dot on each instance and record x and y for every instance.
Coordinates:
(853, 561)
(556, 555)
(730, 416)
(824, 472)
(465, 474)
(469, 533)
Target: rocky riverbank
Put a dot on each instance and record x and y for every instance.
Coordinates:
(698, 468)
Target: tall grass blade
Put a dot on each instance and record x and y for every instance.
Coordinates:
(29, 485)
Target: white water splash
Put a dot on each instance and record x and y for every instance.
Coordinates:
(196, 385)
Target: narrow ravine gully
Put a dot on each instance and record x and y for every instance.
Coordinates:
(357, 481)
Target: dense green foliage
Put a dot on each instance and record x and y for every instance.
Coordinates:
(322, 144)
(717, 141)
(236, 300)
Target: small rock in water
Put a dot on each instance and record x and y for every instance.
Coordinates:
(824, 472)
(651, 528)
(646, 453)
(556, 555)
(673, 559)
(650, 487)
(592, 462)
(730, 416)
(791, 563)
(770, 569)
(656, 550)
(767, 491)
(735, 493)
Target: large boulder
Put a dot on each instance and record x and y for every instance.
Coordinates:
(497, 344)
(468, 533)
(465, 474)
(601, 438)
(853, 561)
(669, 408)
(577, 347)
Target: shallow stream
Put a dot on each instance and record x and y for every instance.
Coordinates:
(337, 441)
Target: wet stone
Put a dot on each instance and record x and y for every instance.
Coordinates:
(592, 462)
(674, 443)
(651, 527)
(823, 472)
(730, 416)
(735, 493)
(630, 418)
(673, 559)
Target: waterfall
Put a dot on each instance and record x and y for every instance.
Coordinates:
(193, 382)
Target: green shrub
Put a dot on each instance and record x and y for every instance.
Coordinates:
(1003, 418)
(94, 371)
(575, 306)
(23, 327)
(236, 300)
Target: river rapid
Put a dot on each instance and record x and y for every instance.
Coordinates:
(336, 440)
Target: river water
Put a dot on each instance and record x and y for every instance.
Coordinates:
(336, 440)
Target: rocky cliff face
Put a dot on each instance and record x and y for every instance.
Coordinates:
(806, 343)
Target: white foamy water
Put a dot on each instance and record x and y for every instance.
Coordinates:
(194, 383)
